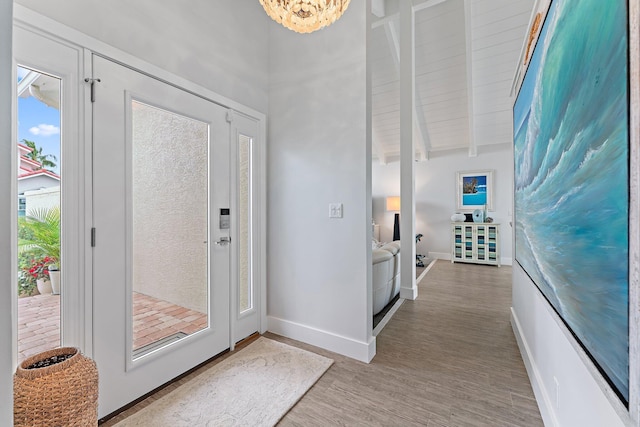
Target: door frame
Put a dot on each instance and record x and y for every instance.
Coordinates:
(72, 171)
(239, 125)
(87, 46)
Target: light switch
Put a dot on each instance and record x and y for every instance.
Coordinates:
(335, 210)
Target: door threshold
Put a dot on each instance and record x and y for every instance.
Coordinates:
(160, 388)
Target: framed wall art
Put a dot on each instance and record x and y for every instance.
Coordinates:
(474, 190)
(571, 177)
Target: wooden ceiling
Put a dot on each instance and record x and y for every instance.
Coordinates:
(466, 53)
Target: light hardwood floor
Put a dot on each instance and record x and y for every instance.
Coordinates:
(447, 359)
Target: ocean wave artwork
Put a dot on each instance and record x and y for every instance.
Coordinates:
(571, 150)
(474, 190)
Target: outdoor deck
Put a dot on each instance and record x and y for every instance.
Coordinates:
(154, 319)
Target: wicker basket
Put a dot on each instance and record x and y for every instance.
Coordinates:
(63, 394)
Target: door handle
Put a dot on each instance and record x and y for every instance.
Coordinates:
(224, 241)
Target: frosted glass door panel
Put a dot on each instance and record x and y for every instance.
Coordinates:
(170, 211)
(245, 194)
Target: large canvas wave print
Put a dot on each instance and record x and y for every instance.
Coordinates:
(571, 147)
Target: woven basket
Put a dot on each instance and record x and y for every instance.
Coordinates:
(63, 394)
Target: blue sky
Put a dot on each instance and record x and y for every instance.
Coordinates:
(39, 123)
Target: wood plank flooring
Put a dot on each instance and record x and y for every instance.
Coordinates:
(447, 359)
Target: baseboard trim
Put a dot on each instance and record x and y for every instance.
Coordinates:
(447, 256)
(440, 255)
(358, 350)
(409, 293)
(426, 270)
(387, 317)
(542, 396)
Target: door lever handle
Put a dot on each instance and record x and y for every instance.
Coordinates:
(224, 241)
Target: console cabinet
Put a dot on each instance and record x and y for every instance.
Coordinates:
(476, 242)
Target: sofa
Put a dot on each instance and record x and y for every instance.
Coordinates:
(386, 274)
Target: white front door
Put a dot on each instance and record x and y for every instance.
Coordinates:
(161, 261)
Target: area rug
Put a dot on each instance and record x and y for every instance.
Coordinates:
(254, 387)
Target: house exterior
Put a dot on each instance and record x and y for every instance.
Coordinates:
(314, 92)
(37, 187)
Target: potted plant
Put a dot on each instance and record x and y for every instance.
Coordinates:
(39, 271)
(26, 282)
(39, 235)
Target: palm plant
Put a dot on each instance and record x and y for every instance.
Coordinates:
(36, 155)
(40, 234)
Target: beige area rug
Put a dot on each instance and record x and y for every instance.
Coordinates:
(254, 387)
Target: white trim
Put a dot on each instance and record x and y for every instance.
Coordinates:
(250, 127)
(349, 347)
(8, 214)
(64, 59)
(542, 397)
(387, 317)
(409, 293)
(506, 261)
(87, 160)
(261, 148)
(409, 289)
(439, 255)
(426, 270)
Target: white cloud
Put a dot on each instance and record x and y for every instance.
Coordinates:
(45, 130)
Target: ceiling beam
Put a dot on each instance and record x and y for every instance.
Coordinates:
(426, 4)
(420, 130)
(377, 8)
(416, 8)
(468, 22)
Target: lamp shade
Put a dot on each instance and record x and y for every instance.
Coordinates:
(393, 203)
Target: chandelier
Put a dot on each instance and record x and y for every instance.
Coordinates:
(305, 16)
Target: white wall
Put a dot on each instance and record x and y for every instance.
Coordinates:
(317, 155)
(7, 156)
(435, 196)
(548, 354)
(219, 45)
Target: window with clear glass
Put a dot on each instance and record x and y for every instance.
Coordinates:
(39, 246)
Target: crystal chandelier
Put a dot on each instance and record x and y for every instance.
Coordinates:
(305, 16)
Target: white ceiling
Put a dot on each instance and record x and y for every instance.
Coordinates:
(466, 53)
